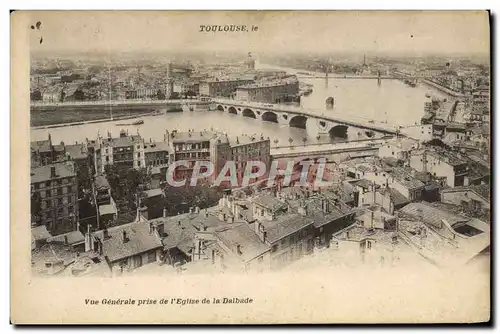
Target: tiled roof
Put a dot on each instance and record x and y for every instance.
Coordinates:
(396, 196)
(156, 147)
(43, 173)
(77, 151)
(194, 136)
(72, 237)
(482, 190)
(139, 240)
(40, 232)
(430, 214)
(285, 225)
(42, 145)
(269, 202)
(405, 178)
(241, 234)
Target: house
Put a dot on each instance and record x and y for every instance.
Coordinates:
(454, 132)
(126, 247)
(390, 199)
(442, 163)
(398, 148)
(235, 247)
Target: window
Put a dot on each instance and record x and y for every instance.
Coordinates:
(369, 244)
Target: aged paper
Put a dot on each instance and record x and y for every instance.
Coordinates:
(250, 167)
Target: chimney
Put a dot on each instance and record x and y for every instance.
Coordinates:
(191, 210)
(105, 234)
(52, 171)
(164, 212)
(238, 249)
(230, 219)
(303, 209)
(206, 213)
(65, 239)
(150, 228)
(325, 204)
(125, 238)
(197, 209)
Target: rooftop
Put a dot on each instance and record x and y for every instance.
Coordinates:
(156, 147)
(71, 238)
(431, 215)
(242, 235)
(62, 170)
(285, 225)
(40, 232)
(269, 202)
(396, 196)
(41, 145)
(483, 190)
(192, 136)
(139, 240)
(76, 151)
(445, 155)
(405, 178)
(123, 141)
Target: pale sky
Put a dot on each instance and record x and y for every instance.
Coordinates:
(315, 31)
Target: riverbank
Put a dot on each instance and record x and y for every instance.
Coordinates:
(442, 88)
(103, 120)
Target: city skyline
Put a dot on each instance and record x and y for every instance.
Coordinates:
(405, 33)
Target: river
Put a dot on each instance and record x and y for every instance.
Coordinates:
(393, 102)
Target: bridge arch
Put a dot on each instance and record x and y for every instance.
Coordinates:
(249, 113)
(269, 116)
(220, 108)
(338, 132)
(298, 121)
(232, 110)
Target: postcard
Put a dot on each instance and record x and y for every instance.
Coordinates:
(250, 167)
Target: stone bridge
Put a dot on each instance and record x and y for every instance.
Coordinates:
(315, 122)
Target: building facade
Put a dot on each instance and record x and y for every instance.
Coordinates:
(55, 190)
(124, 151)
(274, 91)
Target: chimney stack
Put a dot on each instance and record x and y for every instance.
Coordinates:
(164, 212)
(105, 234)
(125, 238)
(52, 171)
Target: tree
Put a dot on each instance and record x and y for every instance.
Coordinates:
(290, 140)
(276, 141)
(304, 140)
(318, 137)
